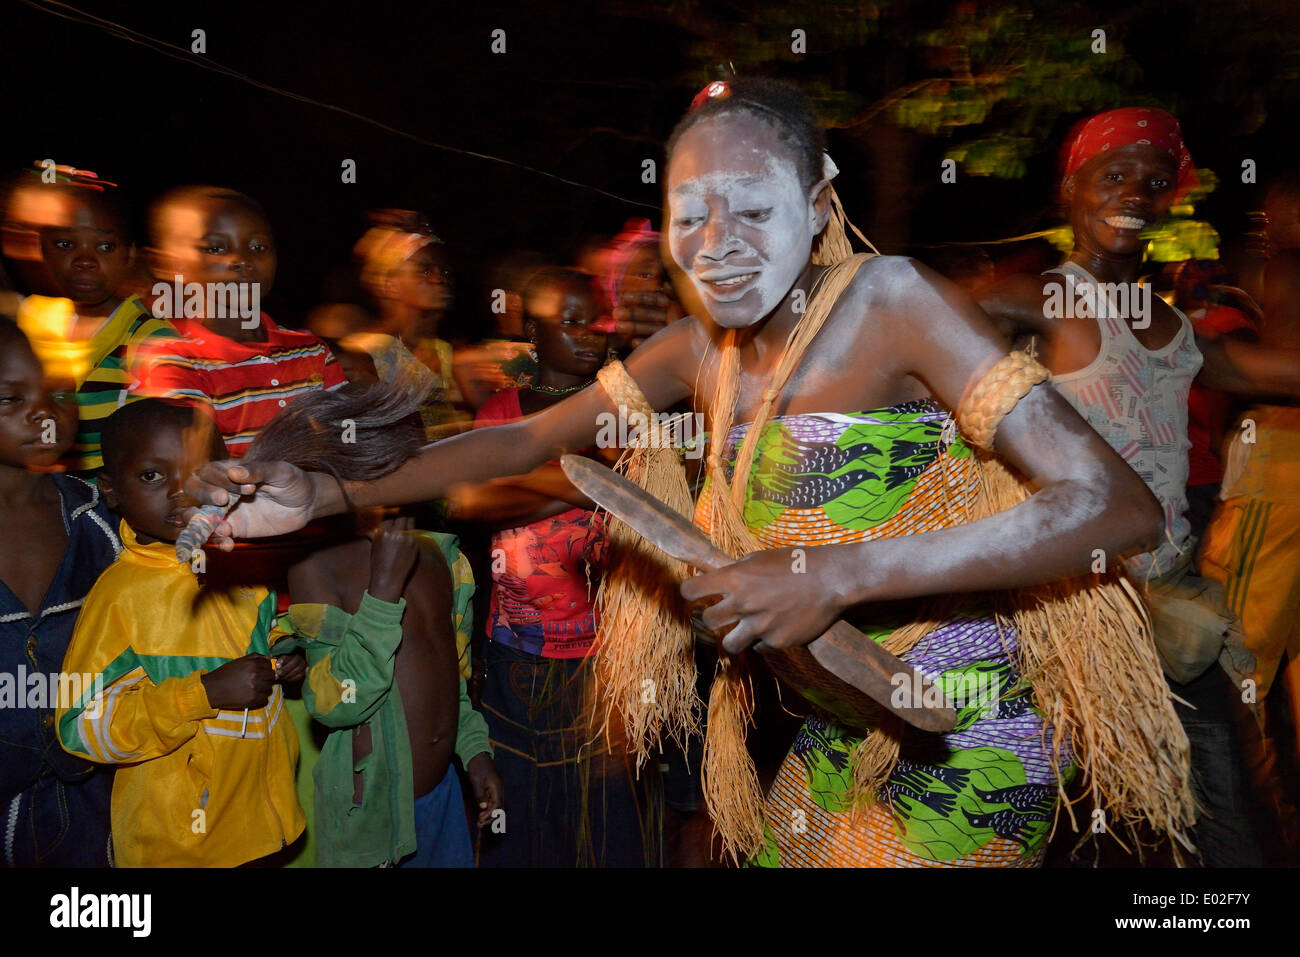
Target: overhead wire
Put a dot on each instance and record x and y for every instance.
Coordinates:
(186, 56)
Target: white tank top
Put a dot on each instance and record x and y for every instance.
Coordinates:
(1136, 399)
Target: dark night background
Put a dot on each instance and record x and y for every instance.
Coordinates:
(588, 92)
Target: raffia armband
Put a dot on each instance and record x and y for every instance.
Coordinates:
(996, 394)
(622, 389)
(646, 428)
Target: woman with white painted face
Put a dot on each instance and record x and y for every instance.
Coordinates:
(872, 493)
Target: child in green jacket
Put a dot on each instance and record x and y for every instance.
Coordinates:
(377, 615)
(384, 680)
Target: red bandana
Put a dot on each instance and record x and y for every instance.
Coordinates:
(1134, 125)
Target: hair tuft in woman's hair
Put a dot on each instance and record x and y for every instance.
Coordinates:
(355, 433)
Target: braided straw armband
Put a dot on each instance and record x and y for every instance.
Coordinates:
(619, 386)
(997, 394)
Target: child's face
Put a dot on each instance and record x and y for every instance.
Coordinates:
(38, 418)
(645, 273)
(216, 241)
(88, 256)
(148, 486)
(561, 317)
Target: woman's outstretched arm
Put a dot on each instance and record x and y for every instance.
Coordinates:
(280, 498)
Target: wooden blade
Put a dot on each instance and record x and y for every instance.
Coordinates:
(843, 650)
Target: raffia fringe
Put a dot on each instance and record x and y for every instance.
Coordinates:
(1086, 648)
(728, 776)
(644, 648)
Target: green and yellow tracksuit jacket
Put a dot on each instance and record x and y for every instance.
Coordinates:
(195, 786)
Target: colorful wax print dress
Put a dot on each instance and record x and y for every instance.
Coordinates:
(981, 795)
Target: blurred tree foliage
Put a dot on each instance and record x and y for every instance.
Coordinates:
(995, 77)
(993, 85)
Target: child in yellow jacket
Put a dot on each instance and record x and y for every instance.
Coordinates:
(186, 700)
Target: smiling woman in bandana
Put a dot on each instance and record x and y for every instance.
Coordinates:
(1129, 127)
(840, 372)
(1122, 171)
(1127, 369)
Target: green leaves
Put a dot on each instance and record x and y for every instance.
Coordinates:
(999, 156)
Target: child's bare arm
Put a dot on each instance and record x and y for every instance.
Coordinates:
(352, 659)
(393, 554)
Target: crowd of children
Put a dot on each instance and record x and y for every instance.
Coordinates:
(222, 721)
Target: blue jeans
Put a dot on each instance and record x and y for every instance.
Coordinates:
(1224, 832)
(569, 801)
(441, 829)
(58, 823)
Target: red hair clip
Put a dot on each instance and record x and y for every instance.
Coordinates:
(717, 90)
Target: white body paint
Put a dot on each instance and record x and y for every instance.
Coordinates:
(741, 225)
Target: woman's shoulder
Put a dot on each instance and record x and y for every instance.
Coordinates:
(895, 267)
(678, 346)
(690, 329)
(880, 280)
(881, 287)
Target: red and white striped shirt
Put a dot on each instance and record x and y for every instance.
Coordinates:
(242, 384)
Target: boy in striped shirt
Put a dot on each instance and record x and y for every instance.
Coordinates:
(242, 370)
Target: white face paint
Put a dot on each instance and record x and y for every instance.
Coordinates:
(741, 225)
